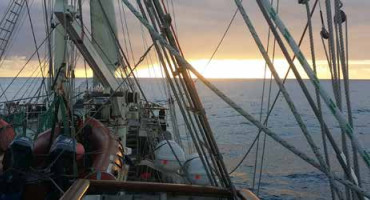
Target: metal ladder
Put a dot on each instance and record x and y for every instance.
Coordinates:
(8, 23)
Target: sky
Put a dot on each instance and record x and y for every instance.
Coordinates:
(200, 25)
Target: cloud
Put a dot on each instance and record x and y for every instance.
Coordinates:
(201, 24)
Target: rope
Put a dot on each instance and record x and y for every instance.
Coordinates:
(38, 90)
(87, 81)
(34, 40)
(166, 90)
(262, 101)
(312, 48)
(333, 108)
(297, 75)
(171, 27)
(121, 50)
(141, 59)
(15, 30)
(325, 35)
(220, 42)
(172, 108)
(32, 82)
(85, 124)
(245, 155)
(279, 91)
(103, 53)
(268, 106)
(47, 23)
(344, 63)
(24, 84)
(355, 156)
(297, 116)
(194, 100)
(185, 112)
(29, 59)
(231, 103)
(332, 50)
(127, 31)
(338, 152)
(20, 99)
(342, 162)
(120, 8)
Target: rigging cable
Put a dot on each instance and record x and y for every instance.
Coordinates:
(167, 91)
(318, 101)
(172, 29)
(85, 123)
(87, 80)
(271, 16)
(29, 59)
(279, 91)
(24, 84)
(49, 49)
(287, 97)
(181, 103)
(105, 55)
(261, 106)
(122, 25)
(220, 42)
(39, 88)
(158, 18)
(204, 135)
(35, 43)
(343, 52)
(188, 89)
(265, 3)
(127, 31)
(237, 108)
(332, 49)
(268, 105)
(175, 21)
(355, 155)
(8, 27)
(121, 50)
(32, 83)
(200, 118)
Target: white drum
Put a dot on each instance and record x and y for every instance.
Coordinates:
(195, 170)
(165, 158)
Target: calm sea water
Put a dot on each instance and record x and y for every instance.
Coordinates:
(284, 176)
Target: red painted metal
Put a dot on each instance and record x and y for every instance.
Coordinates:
(7, 135)
(106, 149)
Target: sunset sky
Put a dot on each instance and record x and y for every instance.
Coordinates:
(200, 25)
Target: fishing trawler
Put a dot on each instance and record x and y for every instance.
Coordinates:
(109, 141)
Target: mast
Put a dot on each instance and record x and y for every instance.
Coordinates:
(104, 39)
(101, 54)
(103, 32)
(60, 50)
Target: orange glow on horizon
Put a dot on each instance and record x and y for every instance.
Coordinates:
(254, 69)
(217, 69)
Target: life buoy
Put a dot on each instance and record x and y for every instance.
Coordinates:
(106, 162)
(7, 135)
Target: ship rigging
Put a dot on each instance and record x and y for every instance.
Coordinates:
(106, 139)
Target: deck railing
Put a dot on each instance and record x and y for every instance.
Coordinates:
(84, 186)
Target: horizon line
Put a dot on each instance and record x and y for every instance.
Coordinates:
(323, 79)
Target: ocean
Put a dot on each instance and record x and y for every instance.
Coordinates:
(284, 175)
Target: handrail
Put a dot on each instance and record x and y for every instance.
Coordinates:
(133, 186)
(82, 186)
(77, 190)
